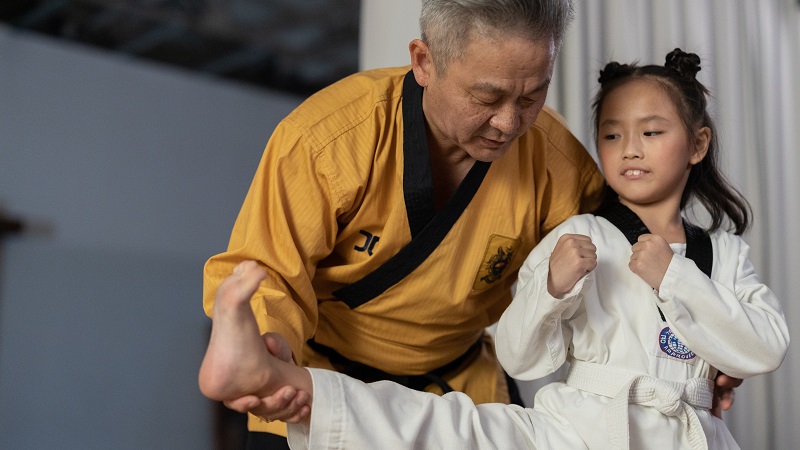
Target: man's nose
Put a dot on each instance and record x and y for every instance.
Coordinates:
(506, 119)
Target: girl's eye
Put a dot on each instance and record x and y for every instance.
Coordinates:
(610, 137)
(652, 133)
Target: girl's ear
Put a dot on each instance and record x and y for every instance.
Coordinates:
(702, 139)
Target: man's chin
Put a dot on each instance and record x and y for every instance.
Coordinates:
(489, 154)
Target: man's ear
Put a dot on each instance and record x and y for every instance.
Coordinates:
(702, 139)
(421, 62)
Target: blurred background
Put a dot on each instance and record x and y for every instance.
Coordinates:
(130, 130)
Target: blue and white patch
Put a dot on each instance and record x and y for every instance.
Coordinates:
(672, 346)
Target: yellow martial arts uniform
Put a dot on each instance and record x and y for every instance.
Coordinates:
(344, 184)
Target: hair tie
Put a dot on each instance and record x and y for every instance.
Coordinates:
(611, 71)
(686, 64)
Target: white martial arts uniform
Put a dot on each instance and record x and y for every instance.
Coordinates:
(610, 327)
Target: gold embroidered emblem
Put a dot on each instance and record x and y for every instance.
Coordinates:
(496, 259)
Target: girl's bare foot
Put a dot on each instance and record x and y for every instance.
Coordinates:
(236, 362)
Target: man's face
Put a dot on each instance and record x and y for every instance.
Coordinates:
(488, 98)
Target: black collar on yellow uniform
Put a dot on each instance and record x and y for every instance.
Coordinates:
(428, 228)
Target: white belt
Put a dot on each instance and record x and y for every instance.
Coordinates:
(626, 387)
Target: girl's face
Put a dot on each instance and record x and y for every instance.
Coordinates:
(643, 146)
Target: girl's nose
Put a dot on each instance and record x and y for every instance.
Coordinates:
(632, 148)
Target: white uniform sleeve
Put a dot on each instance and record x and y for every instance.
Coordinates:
(531, 340)
(351, 415)
(734, 321)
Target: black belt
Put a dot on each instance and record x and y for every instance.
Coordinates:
(370, 374)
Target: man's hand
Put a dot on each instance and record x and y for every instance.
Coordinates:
(287, 404)
(723, 393)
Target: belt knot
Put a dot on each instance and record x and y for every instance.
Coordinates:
(624, 387)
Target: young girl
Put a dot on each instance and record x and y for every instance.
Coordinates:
(646, 307)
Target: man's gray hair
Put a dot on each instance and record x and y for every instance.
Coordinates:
(447, 25)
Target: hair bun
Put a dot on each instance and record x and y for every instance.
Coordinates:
(611, 71)
(687, 64)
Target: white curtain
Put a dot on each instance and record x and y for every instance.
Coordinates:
(751, 62)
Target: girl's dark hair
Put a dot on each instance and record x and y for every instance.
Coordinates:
(706, 182)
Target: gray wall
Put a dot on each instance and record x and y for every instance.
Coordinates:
(129, 175)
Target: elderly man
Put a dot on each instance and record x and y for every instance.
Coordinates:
(392, 210)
